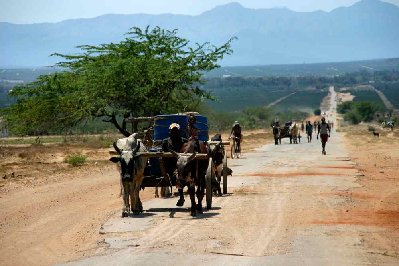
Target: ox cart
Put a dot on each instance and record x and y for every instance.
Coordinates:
(154, 173)
(289, 130)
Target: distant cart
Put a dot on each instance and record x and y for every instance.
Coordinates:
(159, 130)
(285, 131)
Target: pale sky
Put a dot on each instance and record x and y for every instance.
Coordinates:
(37, 11)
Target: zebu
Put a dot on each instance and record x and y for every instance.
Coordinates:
(191, 173)
(276, 134)
(131, 168)
(217, 152)
(294, 131)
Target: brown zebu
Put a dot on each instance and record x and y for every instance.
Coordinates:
(131, 168)
(191, 173)
(217, 152)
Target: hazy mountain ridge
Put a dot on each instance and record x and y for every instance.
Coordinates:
(366, 30)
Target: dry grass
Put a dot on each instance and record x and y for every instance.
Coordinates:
(23, 161)
(31, 164)
(375, 203)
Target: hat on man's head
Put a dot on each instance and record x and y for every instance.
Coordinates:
(174, 125)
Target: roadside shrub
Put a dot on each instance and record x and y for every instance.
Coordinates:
(317, 112)
(366, 110)
(344, 107)
(356, 112)
(353, 116)
(76, 159)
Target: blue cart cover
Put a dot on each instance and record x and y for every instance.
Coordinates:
(162, 123)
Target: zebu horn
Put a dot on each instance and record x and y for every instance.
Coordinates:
(137, 147)
(116, 148)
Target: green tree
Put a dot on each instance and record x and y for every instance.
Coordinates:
(356, 112)
(152, 71)
(353, 116)
(344, 107)
(366, 110)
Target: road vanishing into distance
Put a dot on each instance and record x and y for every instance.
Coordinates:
(281, 209)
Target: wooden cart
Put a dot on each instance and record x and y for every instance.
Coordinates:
(153, 176)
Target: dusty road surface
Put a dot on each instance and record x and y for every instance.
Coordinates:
(288, 205)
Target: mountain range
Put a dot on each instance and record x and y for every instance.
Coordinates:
(366, 30)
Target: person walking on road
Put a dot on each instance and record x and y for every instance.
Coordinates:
(324, 130)
(309, 131)
(315, 126)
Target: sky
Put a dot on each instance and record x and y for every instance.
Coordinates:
(38, 11)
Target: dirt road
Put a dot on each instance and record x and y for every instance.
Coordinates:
(284, 208)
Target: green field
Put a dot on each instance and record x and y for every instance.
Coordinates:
(308, 100)
(391, 91)
(367, 95)
(320, 69)
(236, 99)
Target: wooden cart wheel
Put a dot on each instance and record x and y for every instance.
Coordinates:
(208, 180)
(225, 174)
(232, 150)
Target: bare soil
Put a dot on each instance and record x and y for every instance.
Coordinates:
(376, 202)
(51, 212)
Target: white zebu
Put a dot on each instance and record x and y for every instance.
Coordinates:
(131, 168)
(295, 133)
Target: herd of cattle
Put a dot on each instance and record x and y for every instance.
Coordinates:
(131, 165)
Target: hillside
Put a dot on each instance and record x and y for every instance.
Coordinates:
(316, 69)
(366, 30)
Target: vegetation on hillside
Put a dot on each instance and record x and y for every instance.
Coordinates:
(237, 98)
(391, 90)
(357, 112)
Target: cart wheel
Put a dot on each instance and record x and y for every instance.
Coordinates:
(225, 174)
(208, 180)
(232, 150)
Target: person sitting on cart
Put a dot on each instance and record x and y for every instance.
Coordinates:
(236, 133)
(174, 142)
(192, 132)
